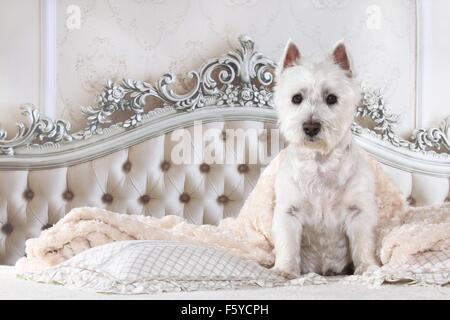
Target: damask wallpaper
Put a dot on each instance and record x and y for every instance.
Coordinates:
(143, 39)
(19, 59)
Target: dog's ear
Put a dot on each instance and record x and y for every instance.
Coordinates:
(341, 57)
(291, 56)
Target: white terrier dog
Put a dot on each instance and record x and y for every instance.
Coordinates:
(325, 212)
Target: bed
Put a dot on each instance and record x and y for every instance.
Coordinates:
(123, 160)
(23, 289)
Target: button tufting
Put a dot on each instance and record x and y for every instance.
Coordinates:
(107, 198)
(165, 165)
(68, 195)
(185, 198)
(7, 228)
(411, 201)
(204, 167)
(46, 226)
(126, 166)
(28, 194)
(222, 199)
(224, 135)
(144, 199)
(243, 168)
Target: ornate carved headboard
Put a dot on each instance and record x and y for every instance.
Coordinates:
(123, 159)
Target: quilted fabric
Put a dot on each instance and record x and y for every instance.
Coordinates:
(152, 266)
(427, 268)
(131, 267)
(140, 180)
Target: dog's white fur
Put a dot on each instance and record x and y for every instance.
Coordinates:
(325, 212)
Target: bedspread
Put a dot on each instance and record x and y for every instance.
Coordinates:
(412, 243)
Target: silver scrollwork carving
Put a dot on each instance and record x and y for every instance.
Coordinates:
(372, 106)
(435, 138)
(241, 78)
(39, 131)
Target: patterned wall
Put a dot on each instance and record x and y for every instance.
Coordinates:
(143, 39)
(19, 59)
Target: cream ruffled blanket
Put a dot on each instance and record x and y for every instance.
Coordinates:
(413, 243)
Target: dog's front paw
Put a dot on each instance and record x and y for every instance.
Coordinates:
(366, 267)
(287, 273)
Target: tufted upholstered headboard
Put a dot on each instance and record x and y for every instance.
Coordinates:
(127, 158)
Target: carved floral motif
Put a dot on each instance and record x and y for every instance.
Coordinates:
(241, 78)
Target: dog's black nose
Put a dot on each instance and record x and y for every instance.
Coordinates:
(311, 128)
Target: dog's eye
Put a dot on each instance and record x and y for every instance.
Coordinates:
(331, 99)
(297, 99)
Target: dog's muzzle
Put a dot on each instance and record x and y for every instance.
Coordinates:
(311, 129)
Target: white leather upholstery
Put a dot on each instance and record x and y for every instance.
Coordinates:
(419, 189)
(142, 180)
(138, 180)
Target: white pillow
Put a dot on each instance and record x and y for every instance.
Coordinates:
(148, 266)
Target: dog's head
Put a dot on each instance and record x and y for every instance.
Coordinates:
(315, 100)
